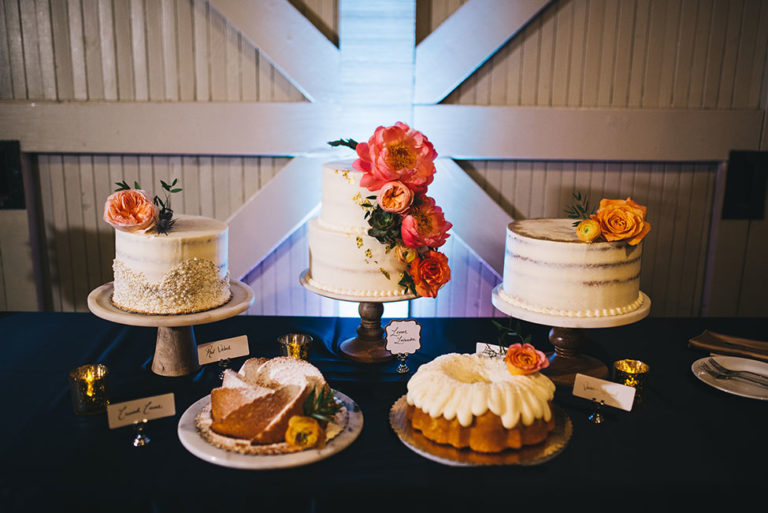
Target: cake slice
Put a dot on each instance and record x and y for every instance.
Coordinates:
(257, 402)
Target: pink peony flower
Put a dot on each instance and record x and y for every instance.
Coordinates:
(395, 197)
(424, 225)
(130, 210)
(396, 153)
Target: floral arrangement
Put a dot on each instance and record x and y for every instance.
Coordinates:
(132, 210)
(614, 220)
(397, 163)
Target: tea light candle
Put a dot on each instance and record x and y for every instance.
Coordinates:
(632, 373)
(88, 388)
(295, 345)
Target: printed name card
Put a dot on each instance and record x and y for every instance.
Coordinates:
(139, 410)
(403, 337)
(222, 349)
(612, 394)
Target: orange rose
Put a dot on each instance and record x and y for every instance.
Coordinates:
(130, 210)
(588, 230)
(524, 359)
(429, 273)
(622, 219)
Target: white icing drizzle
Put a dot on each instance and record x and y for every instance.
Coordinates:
(604, 312)
(463, 386)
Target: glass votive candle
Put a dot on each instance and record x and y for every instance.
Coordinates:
(295, 345)
(89, 389)
(632, 373)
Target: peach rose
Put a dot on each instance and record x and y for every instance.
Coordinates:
(398, 153)
(429, 273)
(588, 230)
(130, 210)
(525, 359)
(424, 225)
(622, 219)
(395, 197)
(404, 254)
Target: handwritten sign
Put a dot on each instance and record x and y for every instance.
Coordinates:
(403, 337)
(612, 394)
(139, 410)
(222, 349)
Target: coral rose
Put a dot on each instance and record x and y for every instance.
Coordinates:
(588, 230)
(130, 210)
(429, 273)
(395, 197)
(622, 219)
(424, 225)
(396, 153)
(525, 359)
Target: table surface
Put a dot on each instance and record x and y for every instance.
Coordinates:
(688, 441)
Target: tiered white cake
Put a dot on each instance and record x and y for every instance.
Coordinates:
(548, 270)
(343, 258)
(183, 271)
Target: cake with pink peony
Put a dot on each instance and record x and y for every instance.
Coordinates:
(378, 232)
(165, 264)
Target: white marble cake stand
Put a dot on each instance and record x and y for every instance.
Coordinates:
(175, 347)
(567, 337)
(369, 346)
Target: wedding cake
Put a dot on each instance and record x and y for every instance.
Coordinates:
(165, 264)
(554, 268)
(378, 231)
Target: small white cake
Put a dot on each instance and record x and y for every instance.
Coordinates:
(343, 258)
(183, 271)
(548, 270)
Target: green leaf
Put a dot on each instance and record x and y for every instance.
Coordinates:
(176, 190)
(136, 185)
(351, 143)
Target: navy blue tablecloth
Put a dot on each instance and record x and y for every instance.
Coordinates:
(688, 442)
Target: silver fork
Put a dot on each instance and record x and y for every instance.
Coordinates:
(718, 370)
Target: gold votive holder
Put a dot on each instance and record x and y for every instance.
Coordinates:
(89, 389)
(295, 345)
(632, 373)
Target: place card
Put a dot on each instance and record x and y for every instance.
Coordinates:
(403, 337)
(222, 349)
(610, 393)
(140, 410)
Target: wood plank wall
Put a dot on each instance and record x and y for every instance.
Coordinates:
(578, 53)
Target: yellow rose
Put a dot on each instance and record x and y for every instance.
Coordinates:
(588, 230)
(304, 432)
(621, 220)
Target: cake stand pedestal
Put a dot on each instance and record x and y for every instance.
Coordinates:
(369, 346)
(568, 338)
(175, 346)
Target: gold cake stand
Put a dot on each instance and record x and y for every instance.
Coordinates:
(369, 346)
(175, 347)
(568, 338)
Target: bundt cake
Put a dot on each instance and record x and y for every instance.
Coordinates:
(473, 400)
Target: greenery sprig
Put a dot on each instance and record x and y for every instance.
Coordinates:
(165, 220)
(322, 405)
(506, 336)
(351, 143)
(579, 209)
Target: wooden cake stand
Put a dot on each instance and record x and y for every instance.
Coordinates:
(175, 347)
(568, 339)
(369, 346)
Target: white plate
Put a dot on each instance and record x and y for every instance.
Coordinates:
(734, 386)
(194, 443)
